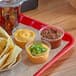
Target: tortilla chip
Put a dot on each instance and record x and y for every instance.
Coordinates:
(12, 57)
(3, 42)
(1, 50)
(15, 61)
(12, 63)
(3, 33)
(3, 59)
(9, 46)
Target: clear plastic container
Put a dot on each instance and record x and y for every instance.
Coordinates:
(55, 40)
(9, 12)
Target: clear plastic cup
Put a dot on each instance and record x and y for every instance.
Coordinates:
(9, 12)
(38, 59)
(56, 42)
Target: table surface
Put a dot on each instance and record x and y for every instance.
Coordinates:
(58, 13)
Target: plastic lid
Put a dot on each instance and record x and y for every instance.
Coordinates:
(11, 3)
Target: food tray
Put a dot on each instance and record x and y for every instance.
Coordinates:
(26, 68)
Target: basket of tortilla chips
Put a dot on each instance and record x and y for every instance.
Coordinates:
(9, 52)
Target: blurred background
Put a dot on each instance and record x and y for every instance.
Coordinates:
(54, 12)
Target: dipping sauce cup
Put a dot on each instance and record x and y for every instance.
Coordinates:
(38, 51)
(52, 34)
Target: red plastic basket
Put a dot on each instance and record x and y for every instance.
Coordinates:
(37, 25)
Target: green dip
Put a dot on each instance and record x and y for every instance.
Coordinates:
(37, 48)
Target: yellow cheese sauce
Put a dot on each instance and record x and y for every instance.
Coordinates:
(24, 35)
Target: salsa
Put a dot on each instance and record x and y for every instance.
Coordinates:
(8, 18)
(9, 14)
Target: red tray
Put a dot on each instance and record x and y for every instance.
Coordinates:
(37, 25)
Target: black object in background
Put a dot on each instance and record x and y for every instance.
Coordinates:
(29, 5)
